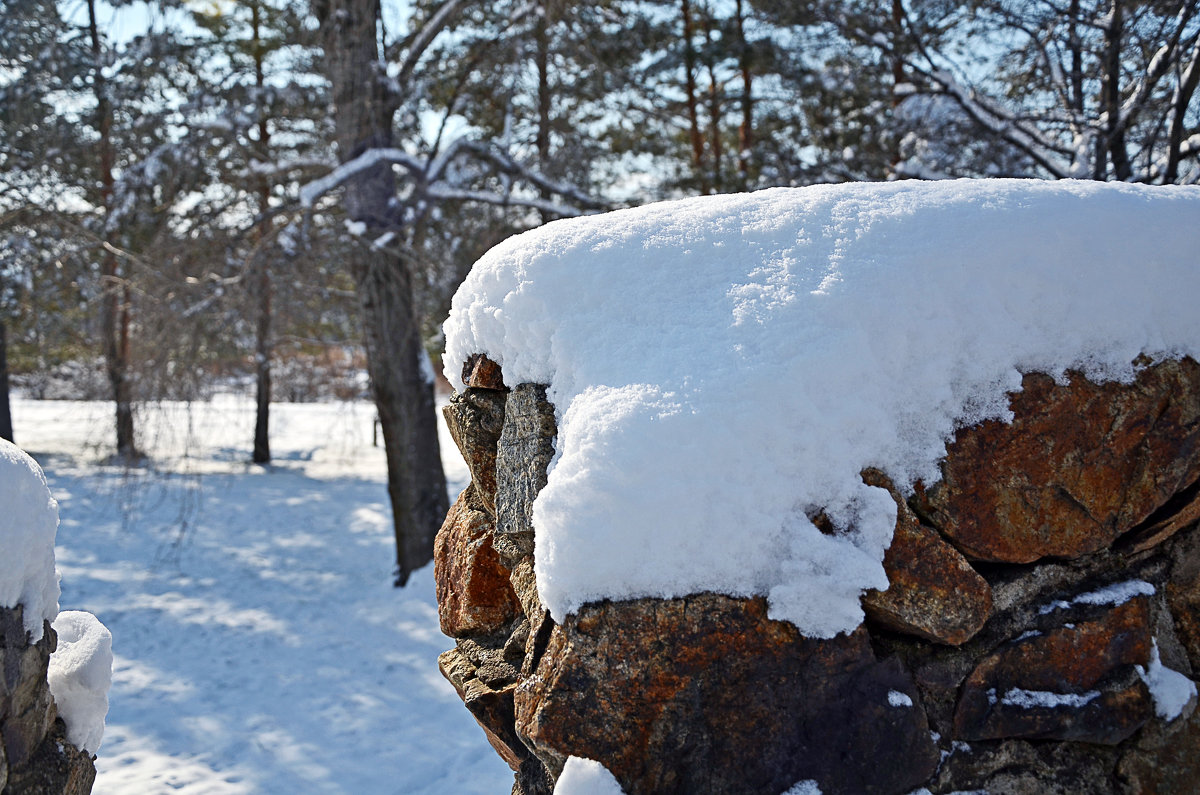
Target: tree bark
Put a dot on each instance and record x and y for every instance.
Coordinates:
(262, 344)
(6, 429)
(746, 129)
(396, 360)
(542, 63)
(689, 68)
(115, 305)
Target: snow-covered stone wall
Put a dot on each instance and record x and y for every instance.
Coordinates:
(846, 489)
(55, 668)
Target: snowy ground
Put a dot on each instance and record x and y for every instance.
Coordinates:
(259, 644)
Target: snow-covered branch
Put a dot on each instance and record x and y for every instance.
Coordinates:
(425, 37)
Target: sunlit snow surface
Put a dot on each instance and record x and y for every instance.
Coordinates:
(259, 644)
(722, 368)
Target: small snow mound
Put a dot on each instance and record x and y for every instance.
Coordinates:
(898, 699)
(28, 524)
(586, 777)
(723, 368)
(80, 675)
(1171, 690)
(808, 787)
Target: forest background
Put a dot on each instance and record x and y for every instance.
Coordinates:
(276, 196)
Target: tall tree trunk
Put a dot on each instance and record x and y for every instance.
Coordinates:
(6, 429)
(542, 63)
(262, 343)
(689, 68)
(115, 306)
(396, 359)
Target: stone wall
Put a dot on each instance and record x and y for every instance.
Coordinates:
(1041, 594)
(35, 756)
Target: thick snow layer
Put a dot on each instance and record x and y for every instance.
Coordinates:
(1171, 690)
(80, 674)
(586, 777)
(28, 523)
(723, 368)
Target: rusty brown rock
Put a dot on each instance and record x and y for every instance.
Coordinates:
(1079, 465)
(706, 694)
(1086, 666)
(491, 707)
(482, 373)
(473, 590)
(934, 593)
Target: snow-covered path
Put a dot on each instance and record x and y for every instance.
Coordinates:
(259, 644)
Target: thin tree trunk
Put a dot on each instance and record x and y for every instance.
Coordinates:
(262, 343)
(689, 67)
(1075, 44)
(6, 429)
(1188, 82)
(746, 129)
(1111, 147)
(714, 107)
(115, 306)
(396, 359)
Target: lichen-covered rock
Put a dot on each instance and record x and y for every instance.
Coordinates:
(1078, 466)
(933, 592)
(524, 451)
(473, 589)
(475, 419)
(706, 694)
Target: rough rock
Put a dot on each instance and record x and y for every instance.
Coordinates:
(1014, 684)
(35, 757)
(1075, 682)
(523, 453)
(706, 694)
(1165, 759)
(933, 593)
(492, 708)
(1020, 767)
(473, 589)
(1079, 465)
(475, 419)
(482, 373)
(1183, 595)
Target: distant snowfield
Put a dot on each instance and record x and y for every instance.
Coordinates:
(259, 644)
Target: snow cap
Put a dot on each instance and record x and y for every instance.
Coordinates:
(723, 368)
(28, 524)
